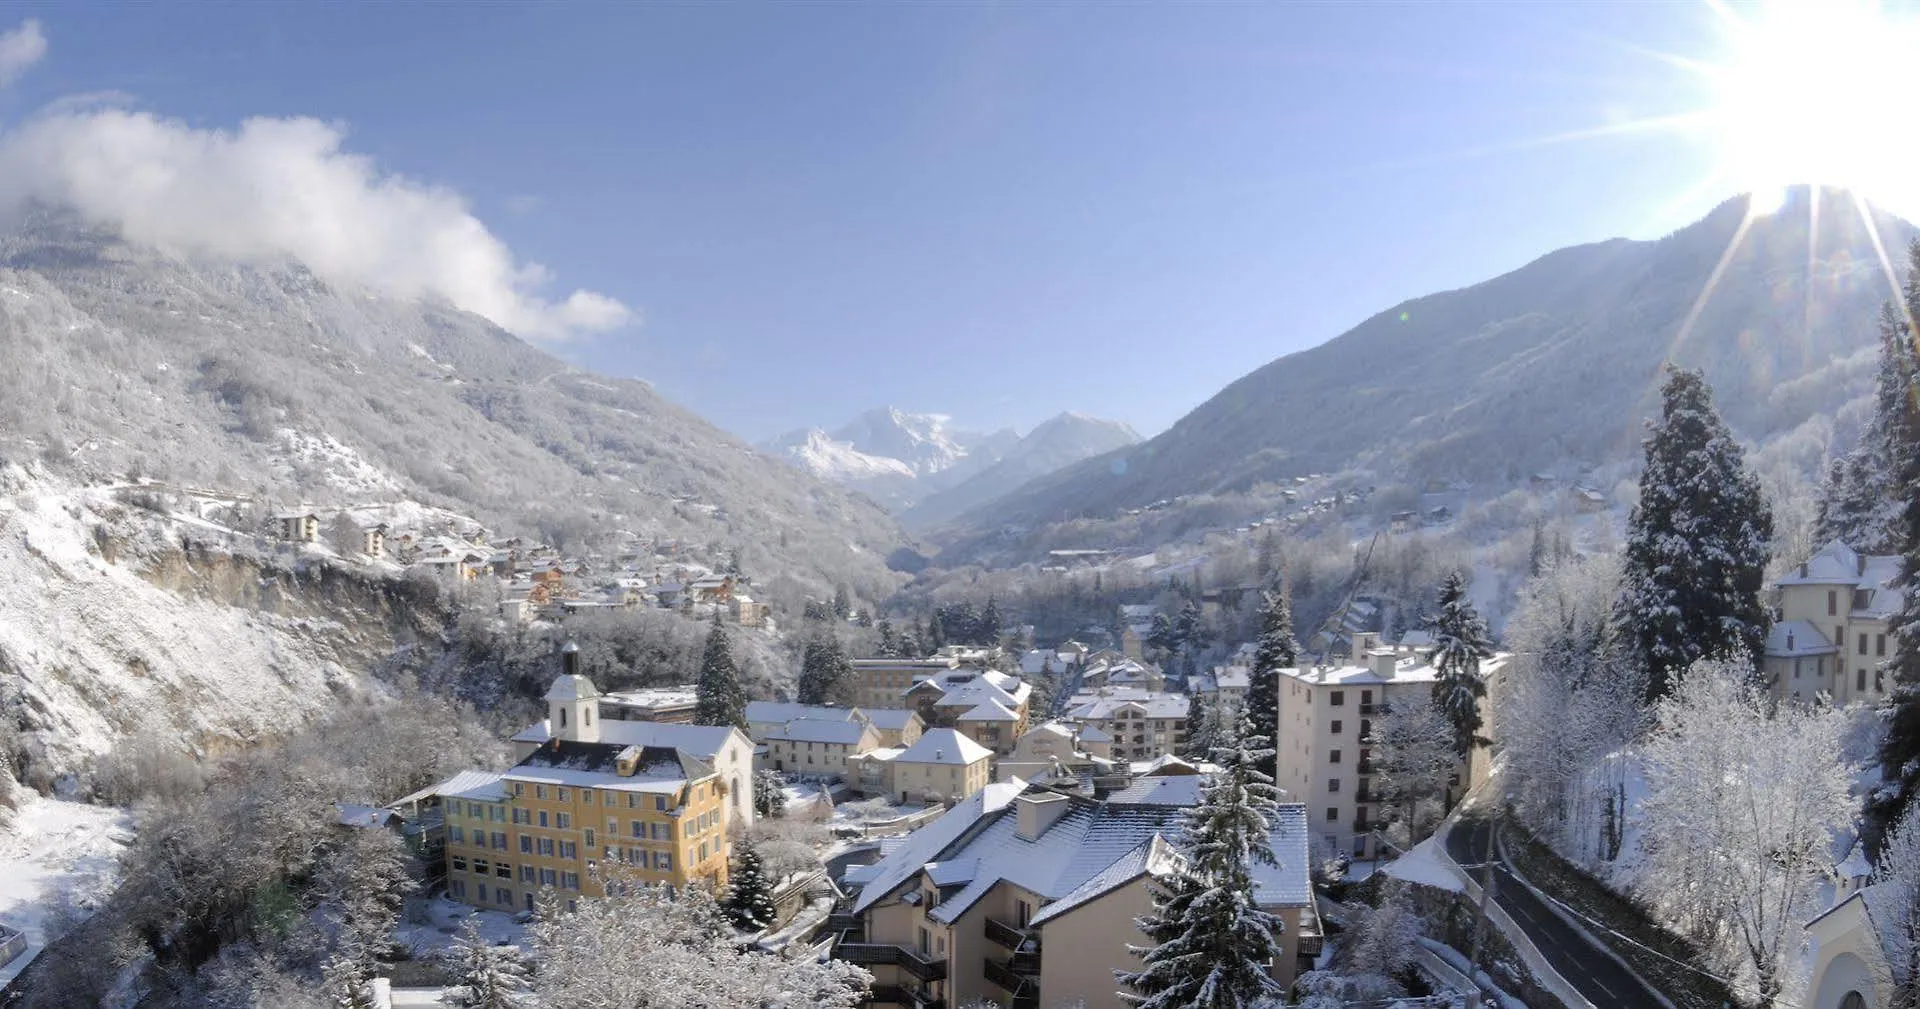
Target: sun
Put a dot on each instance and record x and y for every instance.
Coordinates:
(1816, 92)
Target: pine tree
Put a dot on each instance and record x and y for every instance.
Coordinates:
(720, 699)
(1900, 403)
(1201, 734)
(490, 977)
(889, 646)
(1697, 543)
(826, 677)
(343, 982)
(1187, 631)
(769, 793)
(1212, 943)
(842, 602)
(1460, 641)
(749, 900)
(936, 636)
(990, 624)
(1276, 651)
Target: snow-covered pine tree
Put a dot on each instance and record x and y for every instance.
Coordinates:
(489, 976)
(1276, 651)
(720, 700)
(1212, 943)
(825, 674)
(1900, 749)
(343, 983)
(989, 633)
(749, 900)
(888, 647)
(1200, 726)
(1860, 503)
(1697, 543)
(1460, 641)
(1898, 910)
(769, 793)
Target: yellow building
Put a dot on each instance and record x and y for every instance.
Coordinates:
(578, 813)
(1833, 625)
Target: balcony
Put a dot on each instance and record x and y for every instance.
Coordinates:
(1366, 765)
(869, 954)
(1024, 988)
(901, 995)
(1372, 709)
(1004, 934)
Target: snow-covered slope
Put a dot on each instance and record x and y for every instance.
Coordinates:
(116, 621)
(901, 459)
(1060, 441)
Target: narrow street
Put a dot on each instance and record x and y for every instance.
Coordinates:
(1598, 976)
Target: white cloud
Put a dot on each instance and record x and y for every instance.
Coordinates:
(20, 49)
(282, 187)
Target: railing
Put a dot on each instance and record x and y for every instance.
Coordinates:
(901, 995)
(1366, 765)
(1025, 990)
(887, 954)
(1004, 934)
(1372, 709)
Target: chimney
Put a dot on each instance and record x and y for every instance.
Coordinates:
(1364, 642)
(1383, 661)
(1036, 812)
(1789, 641)
(570, 659)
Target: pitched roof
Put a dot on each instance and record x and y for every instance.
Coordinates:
(783, 712)
(571, 687)
(1153, 856)
(820, 730)
(890, 719)
(483, 786)
(924, 845)
(944, 746)
(992, 711)
(596, 765)
(1790, 638)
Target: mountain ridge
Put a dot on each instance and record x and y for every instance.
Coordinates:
(1567, 348)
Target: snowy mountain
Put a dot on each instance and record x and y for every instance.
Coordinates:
(902, 459)
(1060, 441)
(268, 381)
(1551, 367)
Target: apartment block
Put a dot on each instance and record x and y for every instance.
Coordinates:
(1325, 749)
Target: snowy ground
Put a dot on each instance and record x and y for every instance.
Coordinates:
(52, 849)
(442, 921)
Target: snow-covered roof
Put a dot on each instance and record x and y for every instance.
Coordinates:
(1875, 575)
(356, 815)
(1094, 734)
(1168, 764)
(784, 712)
(820, 730)
(944, 746)
(924, 845)
(1408, 668)
(702, 741)
(1162, 790)
(1790, 638)
(1155, 705)
(1153, 856)
(992, 711)
(571, 687)
(481, 786)
(655, 769)
(1089, 849)
(890, 719)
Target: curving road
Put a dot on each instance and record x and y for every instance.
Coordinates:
(1597, 975)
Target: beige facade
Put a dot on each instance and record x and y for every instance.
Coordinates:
(1832, 633)
(1324, 756)
(941, 766)
(1851, 969)
(883, 683)
(1139, 724)
(816, 746)
(983, 905)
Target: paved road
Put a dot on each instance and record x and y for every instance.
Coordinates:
(1598, 976)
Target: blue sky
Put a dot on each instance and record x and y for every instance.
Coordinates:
(994, 211)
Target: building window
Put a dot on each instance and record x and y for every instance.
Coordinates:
(549, 877)
(526, 844)
(639, 829)
(660, 803)
(1333, 786)
(1863, 642)
(503, 870)
(481, 867)
(1860, 679)
(458, 888)
(526, 874)
(589, 837)
(570, 881)
(1336, 726)
(560, 793)
(480, 892)
(1337, 698)
(521, 816)
(457, 835)
(1880, 644)
(460, 865)
(1833, 603)
(543, 818)
(563, 820)
(499, 841)
(539, 791)
(1333, 814)
(569, 850)
(546, 846)
(1333, 756)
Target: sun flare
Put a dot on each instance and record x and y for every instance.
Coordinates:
(1816, 92)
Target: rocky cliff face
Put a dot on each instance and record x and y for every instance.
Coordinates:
(118, 621)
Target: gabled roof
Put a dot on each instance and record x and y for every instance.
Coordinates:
(783, 712)
(1151, 857)
(820, 730)
(992, 711)
(924, 845)
(481, 786)
(571, 687)
(890, 719)
(944, 746)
